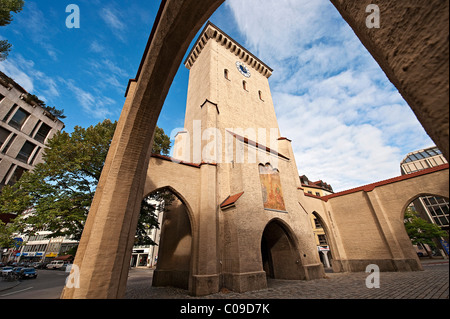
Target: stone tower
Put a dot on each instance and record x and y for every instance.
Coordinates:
(251, 217)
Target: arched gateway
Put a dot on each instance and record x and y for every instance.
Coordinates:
(245, 180)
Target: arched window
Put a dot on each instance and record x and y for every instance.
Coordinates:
(225, 74)
(260, 95)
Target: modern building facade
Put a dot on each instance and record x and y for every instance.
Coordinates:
(24, 129)
(430, 207)
(147, 255)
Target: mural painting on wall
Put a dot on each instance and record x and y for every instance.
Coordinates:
(271, 187)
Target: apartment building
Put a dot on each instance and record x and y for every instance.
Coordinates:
(25, 127)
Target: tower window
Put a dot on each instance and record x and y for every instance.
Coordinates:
(260, 95)
(225, 74)
(244, 85)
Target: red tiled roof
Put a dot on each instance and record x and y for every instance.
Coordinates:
(231, 200)
(171, 159)
(257, 145)
(371, 187)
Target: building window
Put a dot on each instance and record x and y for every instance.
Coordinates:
(225, 74)
(1, 97)
(260, 95)
(25, 152)
(322, 240)
(317, 223)
(11, 110)
(4, 134)
(19, 119)
(18, 172)
(11, 140)
(34, 156)
(244, 85)
(42, 134)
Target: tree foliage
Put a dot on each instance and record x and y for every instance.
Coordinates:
(61, 189)
(50, 109)
(6, 8)
(421, 231)
(161, 144)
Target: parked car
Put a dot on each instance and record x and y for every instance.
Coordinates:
(16, 270)
(5, 271)
(57, 264)
(37, 265)
(26, 273)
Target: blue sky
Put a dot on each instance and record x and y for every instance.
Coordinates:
(348, 123)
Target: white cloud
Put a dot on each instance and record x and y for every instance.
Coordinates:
(96, 106)
(96, 47)
(114, 76)
(35, 23)
(11, 70)
(348, 124)
(24, 72)
(114, 20)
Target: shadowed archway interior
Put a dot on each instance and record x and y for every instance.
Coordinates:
(279, 255)
(174, 256)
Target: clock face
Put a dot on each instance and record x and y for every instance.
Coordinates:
(243, 69)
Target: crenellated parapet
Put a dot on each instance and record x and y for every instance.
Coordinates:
(211, 32)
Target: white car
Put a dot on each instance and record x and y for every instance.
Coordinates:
(5, 271)
(57, 264)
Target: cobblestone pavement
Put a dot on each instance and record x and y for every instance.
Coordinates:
(432, 283)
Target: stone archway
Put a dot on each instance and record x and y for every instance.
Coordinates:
(279, 252)
(433, 208)
(418, 68)
(174, 266)
(326, 255)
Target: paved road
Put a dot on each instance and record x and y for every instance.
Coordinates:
(432, 283)
(47, 285)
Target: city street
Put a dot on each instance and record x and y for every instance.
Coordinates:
(47, 285)
(432, 283)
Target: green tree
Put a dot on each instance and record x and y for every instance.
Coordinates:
(6, 8)
(421, 231)
(161, 144)
(61, 189)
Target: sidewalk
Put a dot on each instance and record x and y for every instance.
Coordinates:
(432, 283)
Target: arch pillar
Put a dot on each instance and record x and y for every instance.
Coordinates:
(102, 258)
